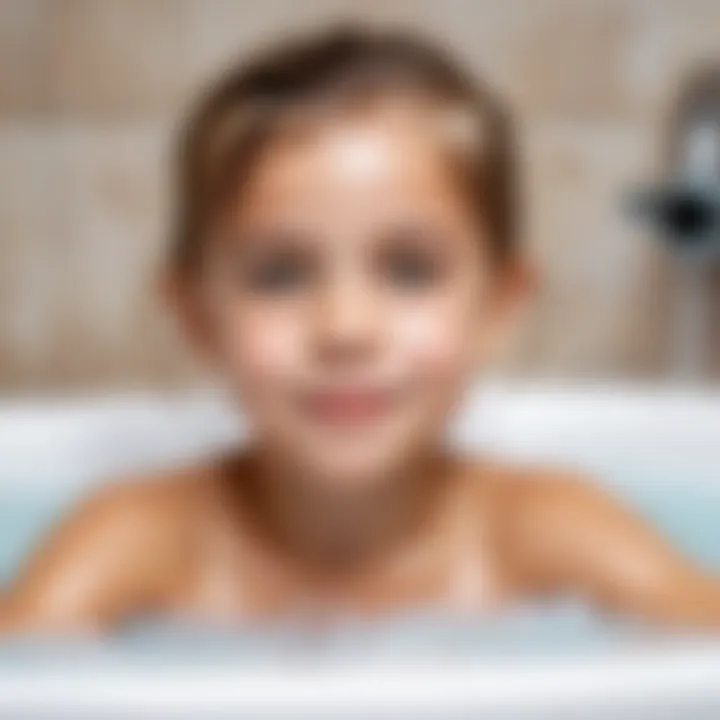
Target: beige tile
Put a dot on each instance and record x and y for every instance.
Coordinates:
(22, 65)
(669, 40)
(570, 60)
(113, 58)
(715, 330)
(28, 280)
(595, 263)
(113, 227)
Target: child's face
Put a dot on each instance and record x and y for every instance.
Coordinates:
(350, 298)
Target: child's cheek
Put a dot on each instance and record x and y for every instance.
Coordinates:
(434, 342)
(265, 348)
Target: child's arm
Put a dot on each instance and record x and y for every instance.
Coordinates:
(572, 536)
(96, 567)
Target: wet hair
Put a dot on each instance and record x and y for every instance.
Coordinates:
(318, 76)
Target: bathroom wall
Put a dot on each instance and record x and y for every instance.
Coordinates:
(90, 91)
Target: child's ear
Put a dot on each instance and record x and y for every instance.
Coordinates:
(510, 297)
(181, 295)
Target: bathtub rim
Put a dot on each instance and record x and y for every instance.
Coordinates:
(640, 678)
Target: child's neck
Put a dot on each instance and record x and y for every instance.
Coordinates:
(335, 531)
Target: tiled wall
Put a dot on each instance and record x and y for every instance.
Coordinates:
(90, 89)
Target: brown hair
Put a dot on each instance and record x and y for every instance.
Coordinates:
(343, 66)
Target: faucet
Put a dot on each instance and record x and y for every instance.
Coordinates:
(684, 212)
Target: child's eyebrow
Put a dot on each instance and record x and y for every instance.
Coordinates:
(414, 231)
(282, 238)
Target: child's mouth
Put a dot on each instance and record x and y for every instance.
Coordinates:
(351, 406)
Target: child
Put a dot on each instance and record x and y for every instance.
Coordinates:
(347, 257)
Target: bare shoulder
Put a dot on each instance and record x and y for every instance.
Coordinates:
(118, 551)
(563, 531)
(556, 509)
(153, 503)
(525, 491)
(547, 517)
(117, 520)
(147, 511)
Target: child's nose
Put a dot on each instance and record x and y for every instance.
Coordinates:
(348, 320)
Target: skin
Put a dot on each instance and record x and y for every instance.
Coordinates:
(349, 298)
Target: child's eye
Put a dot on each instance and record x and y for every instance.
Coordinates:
(411, 268)
(278, 275)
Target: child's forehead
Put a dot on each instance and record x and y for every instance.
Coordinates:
(395, 149)
(403, 120)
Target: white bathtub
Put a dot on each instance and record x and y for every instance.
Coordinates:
(669, 439)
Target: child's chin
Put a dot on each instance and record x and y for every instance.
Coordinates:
(349, 471)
